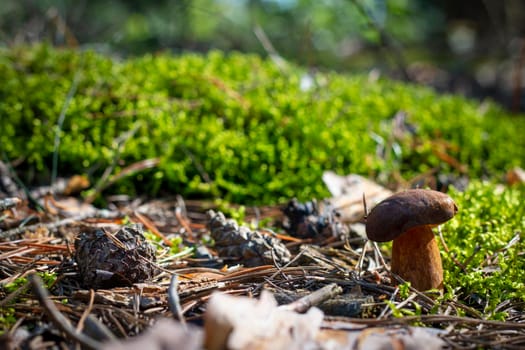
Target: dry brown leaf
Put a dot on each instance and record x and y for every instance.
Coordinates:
(347, 192)
(165, 335)
(245, 323)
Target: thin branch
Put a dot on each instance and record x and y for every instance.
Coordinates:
(279, 270)
(103, 214)
(61, 119)
(6, 167)
(365, 208)
(445, 247)
(319, 296)
(87, 311)
(174, 300)
(97, 330)
(7, 203)
(260, 34)
(119, 144)
(60, 321)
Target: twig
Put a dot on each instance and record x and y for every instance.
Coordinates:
(6, 167)
(174, 300)
(468, 260)
(56, 317)
(276, 264)
(117, 323)
(361, 259)
(80, 324)
(303, 304)
(432, 319)
(103, 214)
(471, 311)
(118, 146)
(182, 215)
(512, 242)
(151, 226)
(381, 259)
(97, 330)
(365, 209)
(198, 165)
(133, 168)
(8, 203)
(269, 48)
(60, 122)
(445, 247)
(401, 304)
(387, 307)
(183, 222)
(422, 295)
(279, 270)
(6, 178)
(17, 324)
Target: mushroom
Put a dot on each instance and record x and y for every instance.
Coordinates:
(407, 218)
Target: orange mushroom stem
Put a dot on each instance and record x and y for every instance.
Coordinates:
(416, 258)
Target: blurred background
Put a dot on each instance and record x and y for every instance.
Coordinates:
(471, 47)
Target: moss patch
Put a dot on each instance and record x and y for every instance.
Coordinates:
(235, 125)
(487, 237)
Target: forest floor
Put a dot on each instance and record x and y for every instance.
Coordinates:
(74, 274)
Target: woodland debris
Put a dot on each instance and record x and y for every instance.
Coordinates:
(347, 194)
(327, 258)
(174, 299)
(379, 338)
(309, 220)
(346, 305)
(8, 203)
(233, 322)
(241, 245)
(62, 186)
(67, 206)
(106, 260)
(7, 183)
(515, 176)
(166, 334)
(129, 311)
(100, 213)
(144, 295)
(96, 329)
(303, 304)
(54, 314)
(245, 323)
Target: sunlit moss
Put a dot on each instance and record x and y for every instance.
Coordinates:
(486, 236)
(235, 126)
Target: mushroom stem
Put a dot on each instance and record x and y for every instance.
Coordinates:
(416, 258)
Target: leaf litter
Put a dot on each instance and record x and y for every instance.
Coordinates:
(175, 274)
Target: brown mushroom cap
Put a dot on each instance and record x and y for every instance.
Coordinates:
(408, 209)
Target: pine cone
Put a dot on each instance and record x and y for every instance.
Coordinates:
(108, 260)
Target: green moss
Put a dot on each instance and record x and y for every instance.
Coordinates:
(7, 319)
(7, 314)
(234, 125)
(487, 237)
(49, 279)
